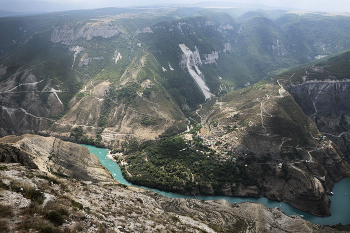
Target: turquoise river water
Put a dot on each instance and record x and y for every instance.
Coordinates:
(340, 201)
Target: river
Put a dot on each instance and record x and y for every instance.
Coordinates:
(340, 201)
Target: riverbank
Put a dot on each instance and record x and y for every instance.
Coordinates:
(111, 156)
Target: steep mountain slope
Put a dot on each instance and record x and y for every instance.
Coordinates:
(52, 72)
(31, 196)
(322, 91)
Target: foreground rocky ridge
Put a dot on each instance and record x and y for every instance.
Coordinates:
(52, 155)
(71, 205)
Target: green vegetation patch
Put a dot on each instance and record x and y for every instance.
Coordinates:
(77, 205)
(55, 217)
(77, 132)
(146, 121)
(128, 93)
(175, 164)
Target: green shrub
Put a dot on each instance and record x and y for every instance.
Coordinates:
(55, 217)
(77, 205)
(147, 121)
(82, 94)
(77, 132)
(3, 186)
(63, 212)
(147, 93)
(50, 230)
(128, 93)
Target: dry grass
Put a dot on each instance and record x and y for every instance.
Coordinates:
(6, 211)
(79, 227)
(34, 209)
(4, 228)
(28, 192)
(36, 223)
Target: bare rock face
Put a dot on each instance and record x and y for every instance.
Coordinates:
(211, 58)
(59, 157)
(300, 189)
(10, 154)
(144, 30)
(14, 199)
(67, 35)
(190, 60)
(327, 104)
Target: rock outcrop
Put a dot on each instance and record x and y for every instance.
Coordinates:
(55, 156)
(10, 154)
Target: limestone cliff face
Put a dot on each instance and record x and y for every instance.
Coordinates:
(327, 103)
(59, 157)
(190, 60)
(67, 34)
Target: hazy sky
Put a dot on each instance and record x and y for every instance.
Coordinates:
(59, 5)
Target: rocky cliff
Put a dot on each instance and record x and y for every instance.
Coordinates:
(327, 104)
(67, 35)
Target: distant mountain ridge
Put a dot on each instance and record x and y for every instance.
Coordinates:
(11, 13)
(118, 57)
